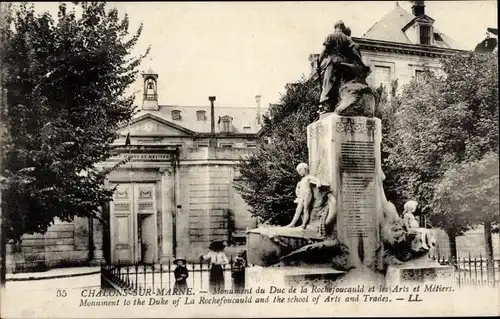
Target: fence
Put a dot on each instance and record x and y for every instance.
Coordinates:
(161, 276)
(468, 271)
(473, 271)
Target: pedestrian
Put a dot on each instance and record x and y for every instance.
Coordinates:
(180, 273)
(217, 259)
(238, 271)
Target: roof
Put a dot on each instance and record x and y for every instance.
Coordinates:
(244, 119)
(391, 28)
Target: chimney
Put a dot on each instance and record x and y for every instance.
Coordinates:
(418, 8)
(257, 102)
(213, 142)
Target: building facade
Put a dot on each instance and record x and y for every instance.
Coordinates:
(176, 193)
(400, 46)
(173, 196)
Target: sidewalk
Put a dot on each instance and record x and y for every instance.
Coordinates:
(54, 273)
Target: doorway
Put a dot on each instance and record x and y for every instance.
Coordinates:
(145, 238)
(133, 227)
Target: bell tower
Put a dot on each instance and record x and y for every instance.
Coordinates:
(150, 96)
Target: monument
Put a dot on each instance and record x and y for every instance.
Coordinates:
(349, 230)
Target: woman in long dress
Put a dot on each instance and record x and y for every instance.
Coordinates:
(217, 259)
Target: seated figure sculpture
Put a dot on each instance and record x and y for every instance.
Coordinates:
(409, 219)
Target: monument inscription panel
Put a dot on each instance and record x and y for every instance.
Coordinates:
(357, 166)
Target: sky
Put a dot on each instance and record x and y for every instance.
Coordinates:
(237, 50)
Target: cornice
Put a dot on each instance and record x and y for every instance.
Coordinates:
(404, 48)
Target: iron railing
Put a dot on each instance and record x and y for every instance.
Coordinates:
(473, 271)
(468, 272)
(161, 276)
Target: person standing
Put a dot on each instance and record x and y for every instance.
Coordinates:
(217, 259)
(238, 271)
(180, 274)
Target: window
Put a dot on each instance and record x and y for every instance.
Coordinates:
(201, 116)
(226, 145)
(251, 145)
(225, 123)
(246, 128)
(382, 76)
(226, 126)
(202, 145)
(425, 34)
(419, 75)
(176, 115)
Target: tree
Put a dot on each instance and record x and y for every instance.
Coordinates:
(66, 80)
(387, 103)
(444, 120)
(268, 177)
(470, 189)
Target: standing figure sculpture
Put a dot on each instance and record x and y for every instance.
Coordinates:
(304, 196)
(338, 48)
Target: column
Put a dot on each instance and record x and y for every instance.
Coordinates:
(167, 209)
(98, 234)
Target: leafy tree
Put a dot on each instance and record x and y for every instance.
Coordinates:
(66, 82)
(470, 189)
(268, 177)
(388, 102)
(444, 120)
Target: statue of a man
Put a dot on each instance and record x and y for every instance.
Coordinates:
(338, 48)
(304, 197)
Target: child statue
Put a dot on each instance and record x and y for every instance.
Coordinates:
(304, 197)
(409, 219)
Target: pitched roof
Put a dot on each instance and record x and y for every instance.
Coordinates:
(244, 119)
(391, 28)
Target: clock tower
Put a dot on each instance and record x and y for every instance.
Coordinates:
(150, 96)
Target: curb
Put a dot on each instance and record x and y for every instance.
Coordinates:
(54, 277)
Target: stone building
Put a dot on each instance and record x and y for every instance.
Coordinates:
(173, 197)
(401, 45)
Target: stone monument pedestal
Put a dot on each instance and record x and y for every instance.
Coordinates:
(345, 152)
(291, 276)
(266, 245)
(426, 272)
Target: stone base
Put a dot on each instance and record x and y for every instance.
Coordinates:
(291, 276)
(97, 261)
(412, 274)
(266, 246)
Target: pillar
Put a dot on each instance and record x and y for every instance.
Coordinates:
(167, 211)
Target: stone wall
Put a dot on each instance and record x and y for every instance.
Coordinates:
(472, 242)
(402, 66)
(210, 207)
(64, 244)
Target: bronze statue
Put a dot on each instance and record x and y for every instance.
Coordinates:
(343, 63)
